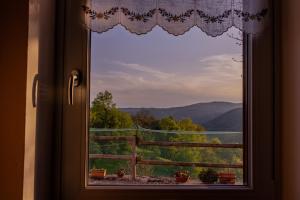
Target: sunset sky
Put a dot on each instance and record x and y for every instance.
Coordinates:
(161, 70)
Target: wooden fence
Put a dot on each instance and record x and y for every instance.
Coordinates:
(134, 141)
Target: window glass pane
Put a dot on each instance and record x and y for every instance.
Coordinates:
(166, 109)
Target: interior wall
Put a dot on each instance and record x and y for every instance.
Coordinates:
(30, 123)
(26, 47)
(290, 99)
(13, 71)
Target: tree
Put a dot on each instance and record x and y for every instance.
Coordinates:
(144, 119)
(104, 113)
(188, 125)
(168, 123)
(238, 38)
(104, 98)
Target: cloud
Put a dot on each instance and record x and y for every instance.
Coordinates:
(225, 65)
(144, 69)
(213, 78)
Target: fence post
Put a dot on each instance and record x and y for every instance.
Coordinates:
(133, 158)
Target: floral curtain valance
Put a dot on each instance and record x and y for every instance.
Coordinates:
(214, 17)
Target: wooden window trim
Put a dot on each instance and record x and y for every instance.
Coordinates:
(265, 157)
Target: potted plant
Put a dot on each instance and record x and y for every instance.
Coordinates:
(182, 176)
(98, 173)
(121, 173)
(208, 176)
(227, 178)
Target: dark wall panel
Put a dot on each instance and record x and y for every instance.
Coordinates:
(290, 32)
(13, 67)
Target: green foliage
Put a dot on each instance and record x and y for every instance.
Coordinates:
(188, 125)
(144, 119)
(182, 173)
(168, 123)
(105, 114)
(208, 176)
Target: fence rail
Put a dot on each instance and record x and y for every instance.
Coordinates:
(114, 138)
(134, 141)
(188, 144)
(110, 156)
(188, 164)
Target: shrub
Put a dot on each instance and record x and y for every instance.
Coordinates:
(208, 176)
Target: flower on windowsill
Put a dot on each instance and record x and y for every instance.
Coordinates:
(182, 176)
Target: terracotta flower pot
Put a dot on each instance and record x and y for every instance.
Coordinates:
(182, 176)
(227, 178)
(121, 173)
(182, 179)
(98, 173)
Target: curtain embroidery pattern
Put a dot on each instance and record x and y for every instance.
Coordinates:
(214, 17)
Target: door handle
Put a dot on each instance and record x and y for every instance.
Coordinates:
(34, 90)
(74, 81)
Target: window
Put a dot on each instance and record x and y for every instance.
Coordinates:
(165, 111)
(167, 107)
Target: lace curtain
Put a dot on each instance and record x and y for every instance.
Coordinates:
(214, 17)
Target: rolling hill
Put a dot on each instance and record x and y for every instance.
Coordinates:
(229, 121)
(215, 116)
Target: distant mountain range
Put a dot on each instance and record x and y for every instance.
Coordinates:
(214, 116)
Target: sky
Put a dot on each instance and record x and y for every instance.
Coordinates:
(161, 70)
